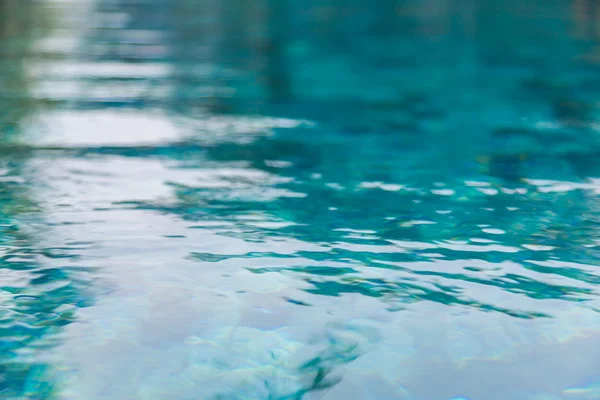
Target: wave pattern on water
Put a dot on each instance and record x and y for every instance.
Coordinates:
(299, 200)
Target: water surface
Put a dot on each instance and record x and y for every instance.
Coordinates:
(299, 200)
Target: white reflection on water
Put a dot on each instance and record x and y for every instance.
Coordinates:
(167, 325)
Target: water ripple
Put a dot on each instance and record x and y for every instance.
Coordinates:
(294, 201)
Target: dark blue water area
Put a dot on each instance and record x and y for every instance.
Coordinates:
(206, 199)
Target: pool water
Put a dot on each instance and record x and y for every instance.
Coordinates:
(291, 200)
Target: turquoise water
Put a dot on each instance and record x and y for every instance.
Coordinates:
(299, 200)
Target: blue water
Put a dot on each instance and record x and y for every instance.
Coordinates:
(284, 200)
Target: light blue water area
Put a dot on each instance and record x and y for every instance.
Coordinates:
(205, 199)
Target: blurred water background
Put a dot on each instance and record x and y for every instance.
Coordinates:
(285, 200)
